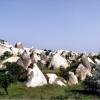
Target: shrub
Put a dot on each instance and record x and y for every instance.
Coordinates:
(47, 51)
(73, 66)
(2, 41)
(40, 65)
(79, 56)
(93, 83)
(6, 54)
(64, 73)
(17, 71)
(5, 80)
(98, 56)
(95, 57)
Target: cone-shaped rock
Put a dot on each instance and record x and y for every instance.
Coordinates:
(82, 72)
(57, 62)
(19, 45)
(72, 80)
(35, 77)
(86, 63)
(24, 60)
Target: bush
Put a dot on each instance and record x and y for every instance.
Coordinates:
(17, 71)
(79, 56)
(98, 56)
(93, 83)
(40, 65)
(47, 52)
(2, 41)
(95, 57)
(73, 66)
(5, 80)
(64, 73)
(6, 55)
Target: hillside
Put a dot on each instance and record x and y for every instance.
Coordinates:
(47, 74)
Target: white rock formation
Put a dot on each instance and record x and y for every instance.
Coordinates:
(19, 45)
(36, 57)
(86, 63)
(16, 51)
(53, 79)
(35, 77)
(97, 61)
(72, 79)
(57, 62)
(11, 59)
(4, 49)
(82, 72)
(90, 60)
(59, 82)
(24, 60)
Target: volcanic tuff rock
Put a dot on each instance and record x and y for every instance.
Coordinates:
(31, 58)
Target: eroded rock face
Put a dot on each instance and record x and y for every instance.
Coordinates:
(53, 79)
(57, 62)
(91, 61)
(24, 60)
(35, 77)
(3, 49)
(16, 51)
(11, 59)
(19, 45)
(97, 61)
(43, 58)
(82, 72)
(86, 63)
(35, 57)
(59, 82)
(72, 80)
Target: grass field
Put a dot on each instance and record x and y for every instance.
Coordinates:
(51, 92)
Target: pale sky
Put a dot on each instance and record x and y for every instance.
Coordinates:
(52, 24)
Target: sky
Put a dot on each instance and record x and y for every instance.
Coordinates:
(52, 24)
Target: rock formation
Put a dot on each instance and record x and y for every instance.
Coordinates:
(35, 77)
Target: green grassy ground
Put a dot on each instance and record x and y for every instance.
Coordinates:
(51, 92)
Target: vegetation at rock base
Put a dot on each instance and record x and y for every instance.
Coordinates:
(73, 66)
(51, 92)
(14, 77)
(11, 74)
(93, 83)
(17, 71)
(17, 90)
(64, 72)
(5, 80)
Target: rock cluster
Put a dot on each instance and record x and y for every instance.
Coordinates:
(28, 58)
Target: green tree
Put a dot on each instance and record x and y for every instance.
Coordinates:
(5, 80)
(93, 83)
(17, 71)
